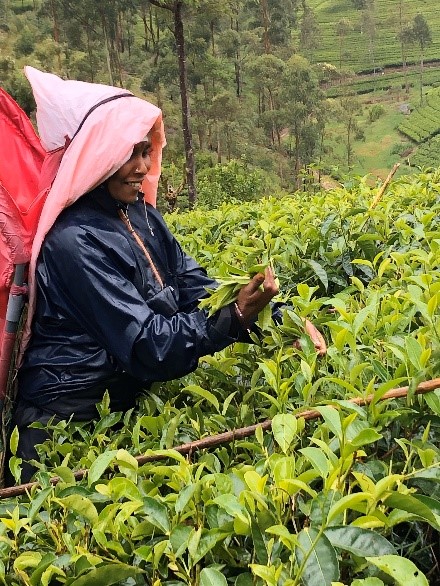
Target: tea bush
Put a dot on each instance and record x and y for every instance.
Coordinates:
(235, 180)
(349, 497)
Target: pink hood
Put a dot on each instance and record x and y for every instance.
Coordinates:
(86, 144)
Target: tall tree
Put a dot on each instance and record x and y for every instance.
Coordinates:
(303, 111)
(349, 111)
(308, 31)
(404, 35)
(176, 8)
(267, 71)
(369, 26)
(343, 27)
(4, 15)
(277, 19)
(420, 34)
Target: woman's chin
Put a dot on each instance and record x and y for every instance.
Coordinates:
(126, 195)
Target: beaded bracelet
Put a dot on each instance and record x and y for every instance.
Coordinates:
(241, 318)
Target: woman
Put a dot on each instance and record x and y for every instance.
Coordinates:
(113, 298)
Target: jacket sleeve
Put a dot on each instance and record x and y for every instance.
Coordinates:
(87, 274)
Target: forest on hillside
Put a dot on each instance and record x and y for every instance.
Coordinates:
(242, 83)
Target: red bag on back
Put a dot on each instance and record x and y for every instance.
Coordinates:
(21, 159)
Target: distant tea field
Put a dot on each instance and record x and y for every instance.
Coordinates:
(371, 36)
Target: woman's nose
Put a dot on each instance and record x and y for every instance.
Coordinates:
(143, 164)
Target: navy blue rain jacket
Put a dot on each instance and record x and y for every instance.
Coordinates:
(102, 319)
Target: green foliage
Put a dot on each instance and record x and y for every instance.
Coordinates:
(427, 154)
(358, 487)
(235, 180)
(423, 122)
(375, 112)
(387, 28)
(25, 43)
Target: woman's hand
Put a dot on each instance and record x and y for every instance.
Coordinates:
(316, 337)
(252, 299)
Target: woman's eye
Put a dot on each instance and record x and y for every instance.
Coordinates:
(147, 152)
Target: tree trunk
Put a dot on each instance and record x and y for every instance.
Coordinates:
(183, 84)
(89, 52)
(237, 68)
(266, 21)
(186, 125)
(107, 49)
(56, 31)
(219, 146)
(144, 20)
(176, 8)
(211, 30)
(403, 48)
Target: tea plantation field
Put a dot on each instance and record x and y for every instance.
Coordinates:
(422, 126)
(356, 50)
(347, 496)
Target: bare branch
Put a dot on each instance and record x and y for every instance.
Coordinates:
(231, 436)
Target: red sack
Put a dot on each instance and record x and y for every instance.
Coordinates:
(21, 159)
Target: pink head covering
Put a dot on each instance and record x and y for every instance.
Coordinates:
(89, 131)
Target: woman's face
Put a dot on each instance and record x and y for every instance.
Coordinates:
(125, 184)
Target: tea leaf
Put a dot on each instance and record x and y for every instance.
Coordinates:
(403, 571)
(37, 500)
(28, 559)
(430, 502)
(347, 502)
(414, 351)
(125, 488)
(264, 319)
(320, 272)
(230, 504)
(368, 582)
(46, 561)
(81, 505)
(365, 437)
(99, 466)
(408, 503)
(179, 539)
(318, 460)
(106, 575)
(65, 474)
(46, 576)
(185, 495)
(244, 580)
(321, 567)
(208, 540)
(13, 442)
(210, 397)
(270, 372)
(212, 577)
(332, 418)
(157, 513)
(284, 428)
(360, 542)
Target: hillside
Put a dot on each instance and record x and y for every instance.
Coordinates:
(243, 74)
(388, 16)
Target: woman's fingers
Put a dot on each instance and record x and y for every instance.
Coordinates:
(316, 337)
(254, 296)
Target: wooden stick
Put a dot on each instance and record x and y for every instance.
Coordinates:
(385, 184)
(230, 436)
